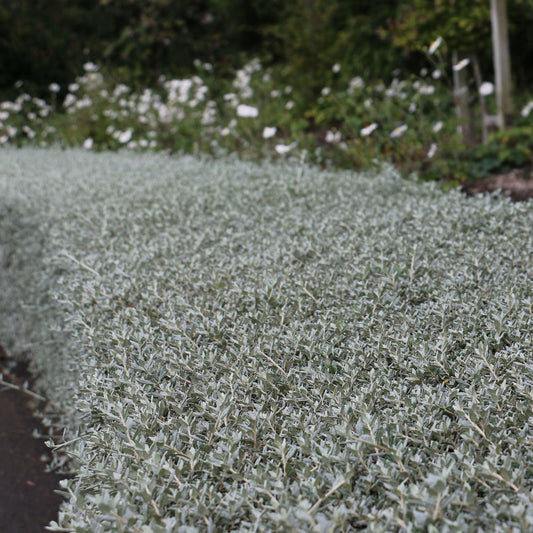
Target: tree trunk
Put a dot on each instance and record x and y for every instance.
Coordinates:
(502, 61)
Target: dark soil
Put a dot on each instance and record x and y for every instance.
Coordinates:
(27, 499)
(517, 184)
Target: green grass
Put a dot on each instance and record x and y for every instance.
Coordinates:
(241, 347)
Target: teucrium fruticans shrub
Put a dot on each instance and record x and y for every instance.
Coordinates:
(272, 348)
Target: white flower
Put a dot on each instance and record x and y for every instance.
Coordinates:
(125, 136)
(527, 109)
(432, 150)
(4, 115)
(289, 105)
(333, 137)
(4, 139)
(54, 87)
(438, 126)
(423, 72)
(325, 91)
(398, 132)
(225, 132)
(274, 93)
(110, 129)
(357, 83)
(435, 45)
(368, 130)
(90, 67)
(11, 131)
(368, 102)
(284, 148)
(31, 115)
(247, 111)
(69, 100)
(436, 74)
(73, 87)
(28, 131)
(461, 65)
(426, 90)
(412, 107)
(486, 88)
(269, 132)
(336, 68)
(88, 143)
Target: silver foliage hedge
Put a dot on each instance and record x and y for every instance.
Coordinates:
(240, 347)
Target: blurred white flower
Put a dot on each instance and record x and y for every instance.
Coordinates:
(143, 143)
(31, 115)
(368, 102)
(486, 88)
(357, 83)
(18, 84)
(368, 130)
(269, 132)
(110, 129)
(437, 126)
(461, 65)
(333, 137)
(247, 111)
(73, 87)
(54, 87)
(433, 47)
(288, 89)
(90, 67)
(398, 132)
(125, 136)
(225, 132)
(336, 68)
(274, 93)
(4, 115)
(412, 107)
(28, 131)
(4, 138)
(432, 150)
(284, 148)
(436, 74)
(423, 72)
(526, 110)
(289, 105)
(325, 91)
(69, 100)
(88, 143)
(11, 131)
(426, 90)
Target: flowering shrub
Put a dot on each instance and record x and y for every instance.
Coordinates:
(409, 122)
(267, 347)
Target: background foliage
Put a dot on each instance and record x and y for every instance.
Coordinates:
(45, 41)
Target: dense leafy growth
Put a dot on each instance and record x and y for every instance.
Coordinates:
(272, 348)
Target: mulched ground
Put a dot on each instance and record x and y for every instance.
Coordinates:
(27, 499)
(518, 184)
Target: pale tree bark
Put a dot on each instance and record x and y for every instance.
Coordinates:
(502, 60)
